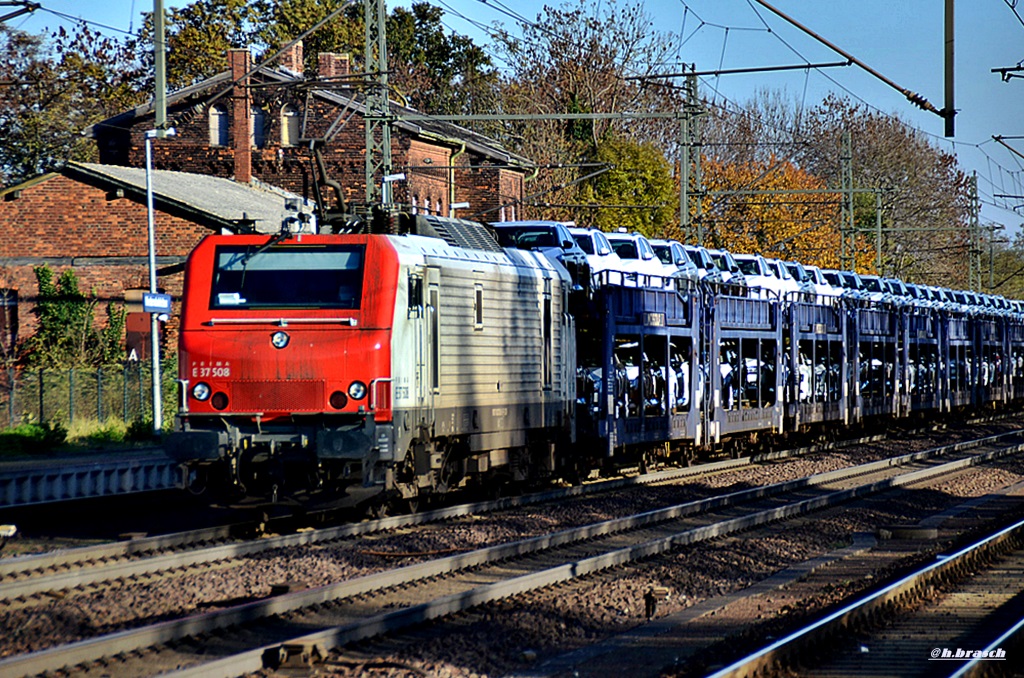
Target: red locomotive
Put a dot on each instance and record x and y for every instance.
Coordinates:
(314, 365)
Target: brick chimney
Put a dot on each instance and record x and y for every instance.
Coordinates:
(331, 65)
(291, 58)
(241, 112)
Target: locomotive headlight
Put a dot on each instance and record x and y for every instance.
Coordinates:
(357, 390)
(201, 391)
(279, 339)
(338, 400)
(219, 400)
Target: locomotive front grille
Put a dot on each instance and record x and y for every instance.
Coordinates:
(278, 396)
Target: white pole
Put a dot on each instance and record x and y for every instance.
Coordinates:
(154, 324)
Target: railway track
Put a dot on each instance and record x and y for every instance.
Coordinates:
(25, 577)
(14, 568)
(29, 575)
(385, 601)
(957, 616)
(56, 563)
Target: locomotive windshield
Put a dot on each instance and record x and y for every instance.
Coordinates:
(288, 277)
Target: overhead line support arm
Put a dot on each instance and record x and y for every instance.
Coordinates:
(26, 7)
(913, 97)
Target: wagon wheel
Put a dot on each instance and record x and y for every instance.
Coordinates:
(379, 509)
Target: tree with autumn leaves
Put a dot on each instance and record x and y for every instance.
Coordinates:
(50, 90)
(767, 208)
(923, 194)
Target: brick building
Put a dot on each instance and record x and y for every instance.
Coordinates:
(93, 220)
(263, 125)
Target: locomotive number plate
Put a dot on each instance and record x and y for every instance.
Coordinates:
(202, 371)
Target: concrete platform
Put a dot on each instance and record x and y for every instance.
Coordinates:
(87, 475)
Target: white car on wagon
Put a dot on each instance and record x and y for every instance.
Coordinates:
(638, 258)
(672, 254)
(599, 253)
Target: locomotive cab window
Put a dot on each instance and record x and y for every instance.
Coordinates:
(288, 277)
(415, 296)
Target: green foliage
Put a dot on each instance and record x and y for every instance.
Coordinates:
(638, 193)
(35, 438)
(30, 438)
(110, 341)
(97, 434)
(281, 21)
(583, 57)
(66, 335)
(578, 131)
(198, 36)
(436, 71)
(140, 429)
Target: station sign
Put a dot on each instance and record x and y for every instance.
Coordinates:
(156, 303)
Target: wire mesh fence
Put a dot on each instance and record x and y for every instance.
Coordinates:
(100, 393)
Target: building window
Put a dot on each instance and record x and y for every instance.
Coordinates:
(8, 322)
(218, 125)
(289, 125)
(259, 127)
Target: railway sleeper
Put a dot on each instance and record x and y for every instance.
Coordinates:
(293, 656)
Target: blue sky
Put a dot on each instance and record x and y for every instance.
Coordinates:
(902, 39)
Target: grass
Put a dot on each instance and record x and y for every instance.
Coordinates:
(30, 438)
(94, 432)
(33, 439)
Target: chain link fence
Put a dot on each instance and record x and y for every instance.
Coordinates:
(98, 394)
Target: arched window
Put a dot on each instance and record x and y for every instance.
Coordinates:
(8, 320)
(259, 127)
(218, 125)
(289, 125)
